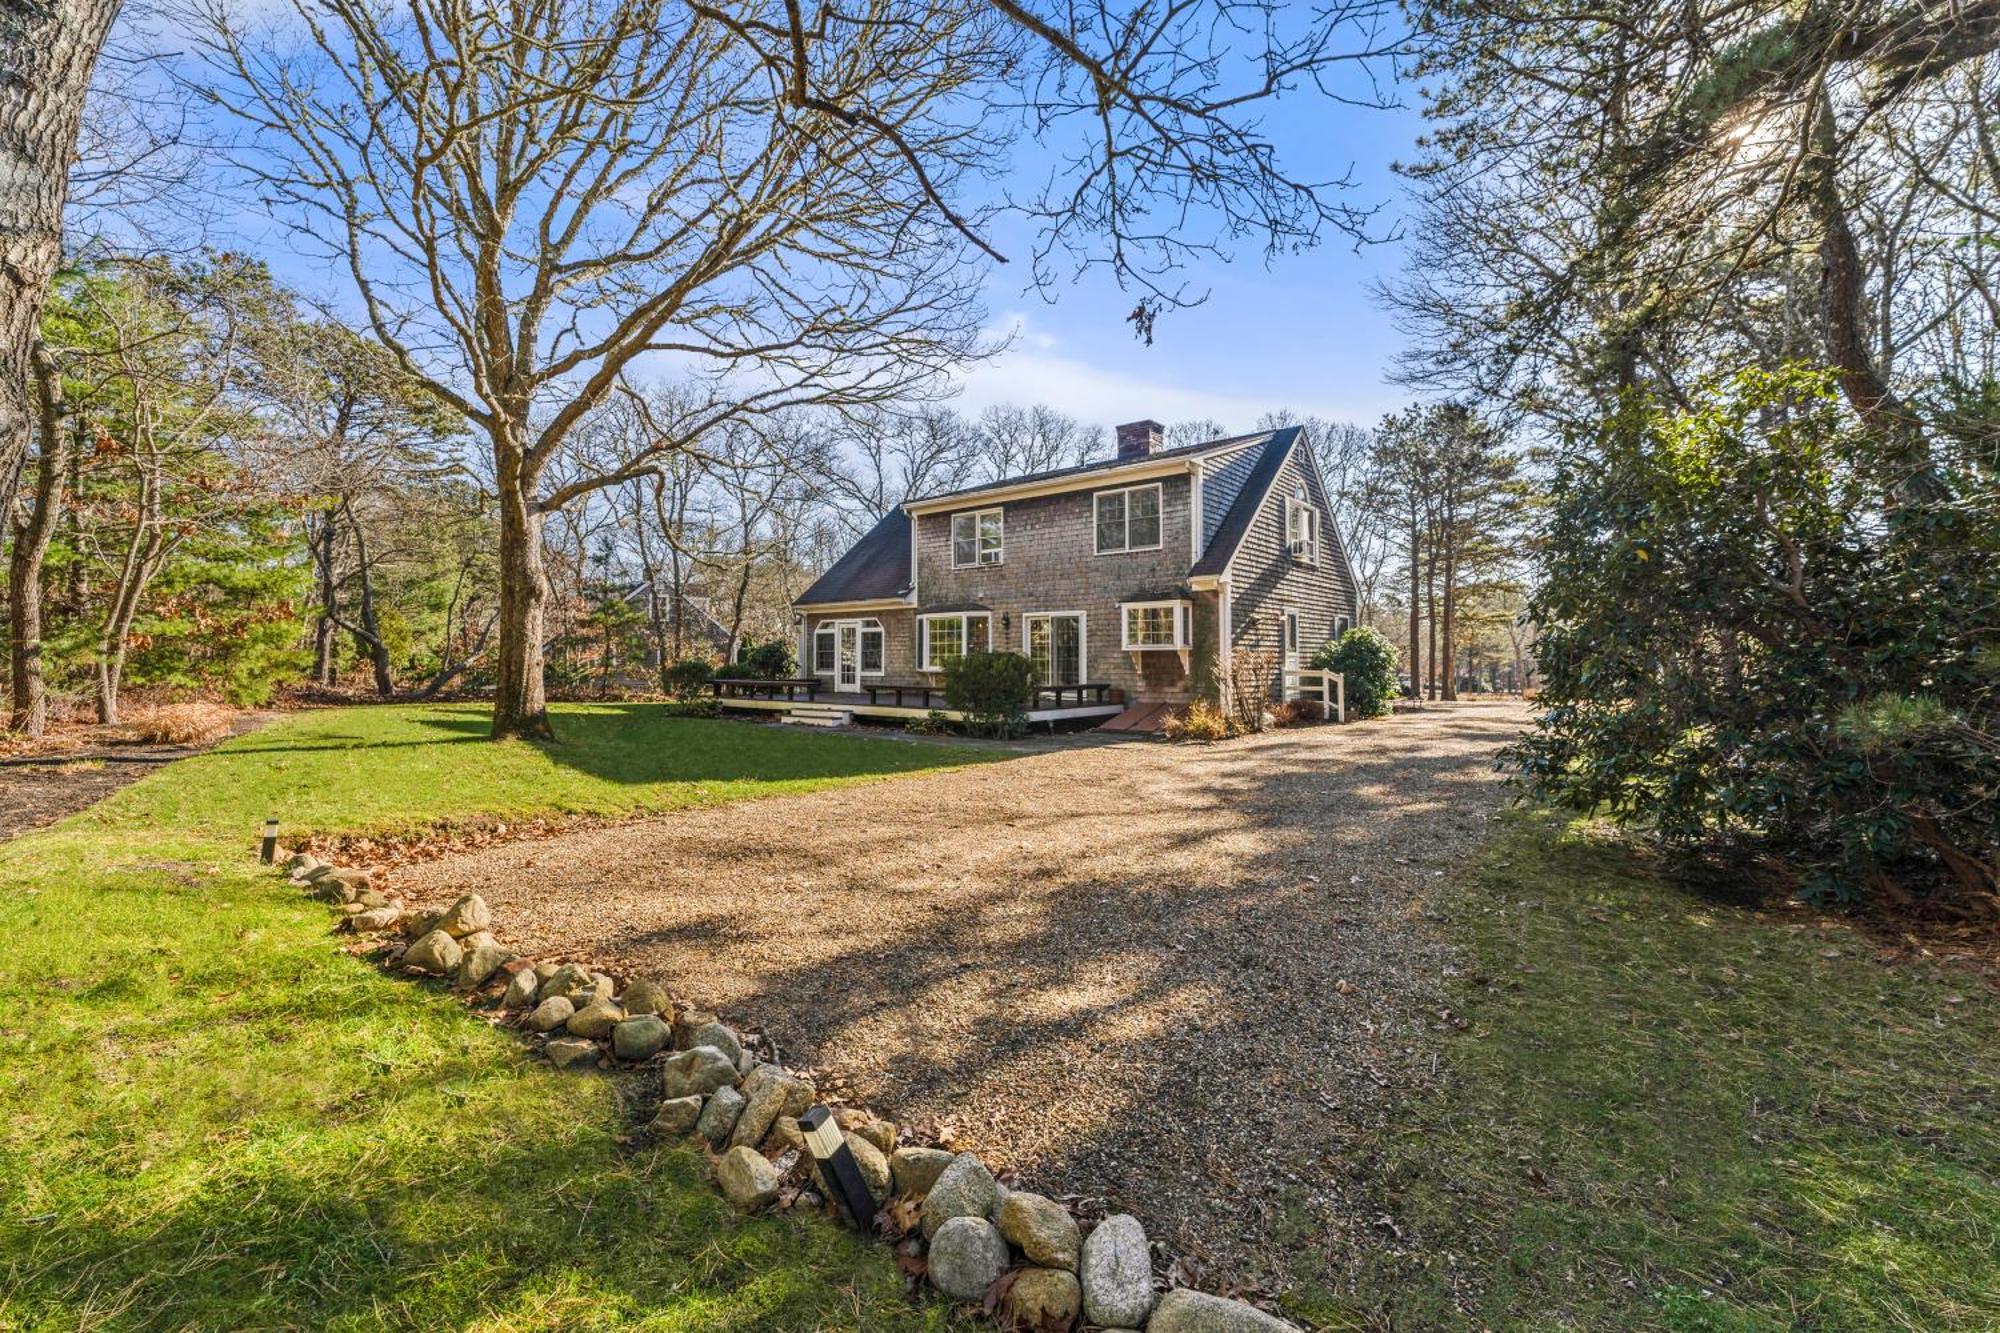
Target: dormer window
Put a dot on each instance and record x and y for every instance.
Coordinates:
(977, 539)
(1302, 528)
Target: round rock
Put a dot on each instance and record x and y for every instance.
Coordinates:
(596, 1019)
(1117, 1273)
(521, 990)
(699, 1071)
(645, 996)
(966, 1256)
(747, 1180)
(718, 1036)
(468, 916)
(574, 1053)
(550, 1014)
(1184, 1311)
(436, 953)
(565, 981)
(917, 1169)
(964, 1189)
(1045, 1298)
(677, 1118)
(1042, 1228)
(719, 1116)
(640, 1038)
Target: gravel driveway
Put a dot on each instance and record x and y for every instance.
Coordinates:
(1178, 977)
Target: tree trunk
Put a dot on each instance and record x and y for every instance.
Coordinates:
(370, 637)
(1449, 647)
(47, 52)
(329, 599)
(520, 702)
(31, 545)
(1416, 612)
(1431, 618)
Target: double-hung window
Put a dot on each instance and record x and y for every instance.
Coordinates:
(1154, 625)
(977, 539)
(825, 649)
(1302, 528)
(941, 638)
(1129, 519)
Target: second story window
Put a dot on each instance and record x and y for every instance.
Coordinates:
(1128, 520)
(977, 539)
(1302, 528)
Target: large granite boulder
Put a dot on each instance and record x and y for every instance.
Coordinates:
(966, 1256)
(1116, 1269)
(964, 1189)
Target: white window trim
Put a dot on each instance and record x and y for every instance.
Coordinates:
(832, 628)
(1158, 489)
(1183, 624)
(1305, 550)
(1082, 637)
(979, 560)
(964, 618)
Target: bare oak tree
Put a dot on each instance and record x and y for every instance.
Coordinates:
(538, 199)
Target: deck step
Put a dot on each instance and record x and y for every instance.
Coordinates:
(1141, 717)
(818, 715)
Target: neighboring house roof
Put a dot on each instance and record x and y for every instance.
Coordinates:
(875, 567)
(1235, 507)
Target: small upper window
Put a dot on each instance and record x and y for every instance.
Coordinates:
(1302, 528)
(1341, 624)
(977, 538)
(1128, 520)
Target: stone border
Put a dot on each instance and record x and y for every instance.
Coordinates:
(1022, 1257)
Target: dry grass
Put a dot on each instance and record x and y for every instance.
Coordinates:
(181, 724)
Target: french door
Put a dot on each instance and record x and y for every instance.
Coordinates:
(847, 671)
(1055, 646)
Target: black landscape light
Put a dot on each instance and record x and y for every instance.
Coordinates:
(270, 841)
(836, 1163)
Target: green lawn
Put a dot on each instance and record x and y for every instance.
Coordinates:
(1673, 1113)
(209, 1118)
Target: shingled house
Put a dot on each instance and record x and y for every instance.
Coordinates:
(1113, 577)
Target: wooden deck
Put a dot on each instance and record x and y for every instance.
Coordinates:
(860, 704)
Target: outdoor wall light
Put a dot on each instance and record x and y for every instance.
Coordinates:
(836, 1163)
(1006, 622)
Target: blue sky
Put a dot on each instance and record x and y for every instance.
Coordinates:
(1301, 332)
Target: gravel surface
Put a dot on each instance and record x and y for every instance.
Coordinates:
(1179, 978)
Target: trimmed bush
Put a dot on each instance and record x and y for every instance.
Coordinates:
(1203, 721)
(765, 661)
(687, 678)
(993, 690)
(1368, 660)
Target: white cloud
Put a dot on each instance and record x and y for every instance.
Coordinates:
(1036, 369)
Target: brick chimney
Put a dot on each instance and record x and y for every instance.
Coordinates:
(1139, 439)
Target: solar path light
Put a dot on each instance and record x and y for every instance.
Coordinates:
(836, 1164)
(270, 852)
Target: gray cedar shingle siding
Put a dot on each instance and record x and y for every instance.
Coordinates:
(1265, 578)
(1050, 563)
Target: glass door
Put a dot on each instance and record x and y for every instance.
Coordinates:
(849, 675)
(1055, 646)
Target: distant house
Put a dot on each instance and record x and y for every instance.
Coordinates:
(1150, 574)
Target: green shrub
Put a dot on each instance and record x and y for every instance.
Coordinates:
(765, 661)
(993, 690)
(687, 678)
(933, 723)
(1745, 649)
(1368, 661)
(700, 706)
